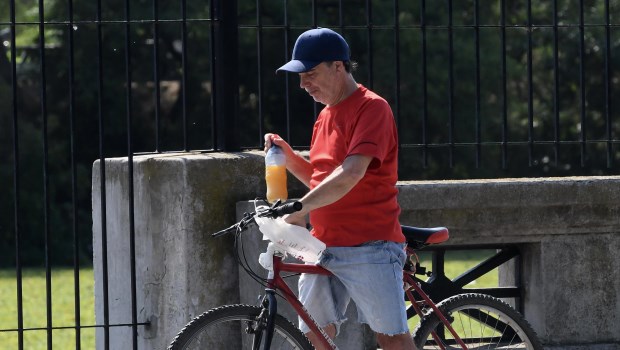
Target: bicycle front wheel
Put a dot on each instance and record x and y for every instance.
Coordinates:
(237, 327)
(481, 321)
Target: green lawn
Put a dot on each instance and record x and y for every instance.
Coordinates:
(459, 261)
(35, 310)
(63, 307)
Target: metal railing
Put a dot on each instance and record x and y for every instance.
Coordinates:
(529, 105)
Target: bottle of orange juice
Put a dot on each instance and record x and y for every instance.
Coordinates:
(275, 174)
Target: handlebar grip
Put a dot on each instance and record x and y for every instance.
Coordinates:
(287, 208)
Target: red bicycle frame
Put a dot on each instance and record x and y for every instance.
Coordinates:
(413, 286)
(276, 282)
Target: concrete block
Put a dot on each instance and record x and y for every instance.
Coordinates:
(567, 229)
(580, 284)
(568, 232)
(180, 270)
(513, 210)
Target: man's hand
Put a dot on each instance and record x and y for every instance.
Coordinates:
(296, 164)
(295, 219)
(275, 139)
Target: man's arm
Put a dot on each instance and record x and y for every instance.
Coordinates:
(334, 187)
(300, 167)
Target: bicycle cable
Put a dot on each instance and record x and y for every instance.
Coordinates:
(242, 258)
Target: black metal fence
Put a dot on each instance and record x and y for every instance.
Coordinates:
(478, 89)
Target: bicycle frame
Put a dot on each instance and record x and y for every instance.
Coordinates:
(276, 282)
(413, 286)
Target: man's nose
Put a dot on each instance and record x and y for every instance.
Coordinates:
(302, 81)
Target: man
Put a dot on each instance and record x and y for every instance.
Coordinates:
(352, 173)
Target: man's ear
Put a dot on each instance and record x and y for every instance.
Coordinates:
(339, 66)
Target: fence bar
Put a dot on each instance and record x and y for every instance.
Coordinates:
(582, 83)
(397, 61)
(530, 86)
(156, 77)
(132, 233)
(502, 256)
(556, 84)
(608, 125)
(477, 99)
(212, 48)
(74, 195)
(451, 84)
(184, 72)
(314, 14)
(340, 25)
(287, 30)
(369, 26)
(424, 85)
(46, 207)
(259, 48)
(226, 76)
(504, 86)
(341, 16)
(102, 176)
(315, 25)
(16, 183)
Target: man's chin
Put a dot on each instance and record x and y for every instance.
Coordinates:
(317, 100)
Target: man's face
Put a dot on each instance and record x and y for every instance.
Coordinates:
(324, 82)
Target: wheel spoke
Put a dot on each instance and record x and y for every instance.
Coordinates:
(237, 327)
(481, 322)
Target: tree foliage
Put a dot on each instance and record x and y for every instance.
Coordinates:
(476, 120)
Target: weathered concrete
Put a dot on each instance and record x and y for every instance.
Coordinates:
(180, 272)
(568, 230)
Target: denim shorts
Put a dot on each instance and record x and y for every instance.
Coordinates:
(371, 275)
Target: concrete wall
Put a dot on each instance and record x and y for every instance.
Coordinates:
(568, 230)
(178, 199)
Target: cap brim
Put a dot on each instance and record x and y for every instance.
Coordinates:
(297, 66)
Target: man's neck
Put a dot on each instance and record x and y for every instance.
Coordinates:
(349, 87)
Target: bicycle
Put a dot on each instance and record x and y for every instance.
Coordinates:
(465, 321)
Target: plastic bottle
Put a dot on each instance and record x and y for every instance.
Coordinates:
(275, 174)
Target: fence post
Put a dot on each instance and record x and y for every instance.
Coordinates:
(226, 82)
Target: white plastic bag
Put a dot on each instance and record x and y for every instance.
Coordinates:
(294, 240)
(266, 258)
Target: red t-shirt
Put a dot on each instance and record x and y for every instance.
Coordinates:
(363, 123)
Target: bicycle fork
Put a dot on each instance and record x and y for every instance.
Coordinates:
(264, 324)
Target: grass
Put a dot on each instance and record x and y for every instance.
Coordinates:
(459, 261)
(35, 310)
(63, 302)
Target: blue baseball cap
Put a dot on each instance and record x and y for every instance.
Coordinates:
(315, 46)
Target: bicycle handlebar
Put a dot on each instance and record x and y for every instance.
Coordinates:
(275, 211)
(287, 208)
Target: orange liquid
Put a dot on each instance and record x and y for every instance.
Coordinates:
(275, 176)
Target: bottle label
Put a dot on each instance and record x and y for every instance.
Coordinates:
(275, 176)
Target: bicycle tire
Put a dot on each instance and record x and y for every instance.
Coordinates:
(226, 327)
(481, 321)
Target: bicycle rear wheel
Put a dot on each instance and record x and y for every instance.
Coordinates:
(234, 327)
(481, 321)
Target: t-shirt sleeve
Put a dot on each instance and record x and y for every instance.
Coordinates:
(374, 131)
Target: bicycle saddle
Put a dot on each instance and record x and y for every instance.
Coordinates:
(417, 236)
